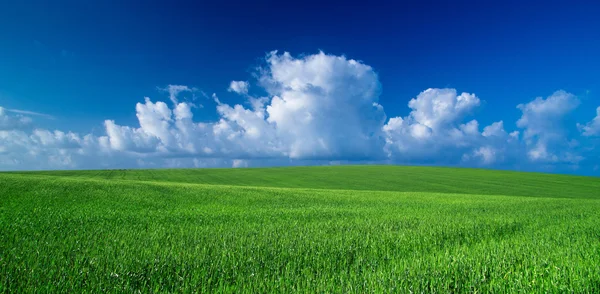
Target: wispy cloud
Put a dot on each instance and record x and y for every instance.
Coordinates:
(27, 112)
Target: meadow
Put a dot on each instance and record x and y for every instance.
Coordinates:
(343, 229)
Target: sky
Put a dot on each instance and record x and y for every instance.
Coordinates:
(150, 84)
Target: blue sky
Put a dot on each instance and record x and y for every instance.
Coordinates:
(84, 62)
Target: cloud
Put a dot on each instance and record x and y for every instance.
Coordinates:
(593, 127)
(435, 130)
(310, 113)
(324, 106)
(240, 87)
(175, 90)
(317, 109)
(543, 117)
(495, 130)
(237, 163)
(26, 112)
(440, 108)
(543, 121)
(10, 122)
(43, 149)
(124, 138)
(486, 153)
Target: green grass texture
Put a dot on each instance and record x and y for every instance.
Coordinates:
(342, 229)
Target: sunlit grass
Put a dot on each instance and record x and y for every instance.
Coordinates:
(161, 231)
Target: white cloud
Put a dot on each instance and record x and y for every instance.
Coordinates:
(43, 149)
(324, 106)
(123, 138)
(10, 122)
(318, 109)
(593, 127)
(240, 87)
(543, 117)
(544, 128)
(155, 120)
(27, 112)
(237, 163)
(487, 154)
(56, 139)
(175, 90)
(440, 108)
(495, 130)
(433, 131)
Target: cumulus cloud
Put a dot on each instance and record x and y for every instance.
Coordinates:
(593, 127)
(10, 122)
(486, 153)
(544, 127)
(124, 138)
(440, 108)
(435, 131)
(543, 117)
(43, 149)
(318, 109)
(495, 130)
(324, 106)
(311, 113)
(240, 87)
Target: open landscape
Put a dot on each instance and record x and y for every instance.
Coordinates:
(299, 147)
(337, 229)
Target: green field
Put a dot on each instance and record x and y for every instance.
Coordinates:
(357, 229)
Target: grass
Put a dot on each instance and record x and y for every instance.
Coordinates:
(351, 229)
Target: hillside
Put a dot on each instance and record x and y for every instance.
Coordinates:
(372, 178)
(344, 229)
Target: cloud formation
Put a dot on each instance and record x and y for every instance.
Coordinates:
(175, 90)
(543, 121)
(438, 131)
(318, 109)
(592, 128)
(13, 122)
(240, 87)
(324, 106)
(30, 113)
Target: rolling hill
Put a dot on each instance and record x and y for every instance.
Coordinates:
(299, 229)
